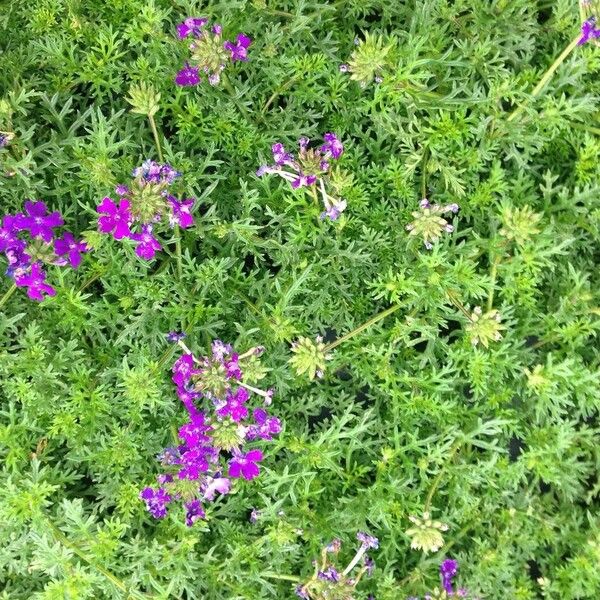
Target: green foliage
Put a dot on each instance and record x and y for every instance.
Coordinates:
(499, 442)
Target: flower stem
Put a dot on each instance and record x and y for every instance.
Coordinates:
(493, 273)
(547, 76)
(355, 560)
(271, 575)
(458, 304)
(372, 321)
(177, 232)
(156, 138)
(11, 290)
(438, 478)
(61, 538)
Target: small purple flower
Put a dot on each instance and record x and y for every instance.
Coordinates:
(235, 405)
(301, 592)
(68, 245)
(588, 31)
(304, 180)
(191, 26)
(182, 212)
(239, 50)
(114, 218)
(174, 336)
(8, 233)
(369, 565)
(367, 541)
(448, 570)
(334, 546)
(183, 369)
(330, 574)
(254, 516)
(147, 243)
(245, 465)
(37, 221)
(265, 428)
(35, 282)
(194, 511)
(156, 501)
(344, 68)
(332, 145)
(187, 76)
(280, 156)
(122, 190)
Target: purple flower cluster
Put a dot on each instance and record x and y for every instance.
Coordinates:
(213, 449)
(329, 581)
(448, 571)
(209, 53)
(142, 205)
(589, 31)
(29, 241)
(308, 168)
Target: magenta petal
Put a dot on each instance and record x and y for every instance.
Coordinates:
(235, 469)
(250, 471)
(243, 40)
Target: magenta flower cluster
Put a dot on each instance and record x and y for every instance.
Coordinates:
(209, 53)
(214, 441)
(29, 242)
(589, 31)
(143, 204)
(308, 168)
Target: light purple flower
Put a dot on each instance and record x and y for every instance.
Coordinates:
(68, 245)
(194, 511)
(301, 592)
(448, 570)
(332, 145)
(191, 26)
(188, 76)
(181, 212)
(239, 49)
(175, 336)
(588, 31)
(114, 218)
(254, 516)
(35, 282)
(183, 369)
(245, 465)
(37, 221)
(330, 574)
(367, 541)
(214, 485)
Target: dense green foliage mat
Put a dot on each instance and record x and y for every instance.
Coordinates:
(497, 439)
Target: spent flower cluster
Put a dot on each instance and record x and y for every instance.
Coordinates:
(308, 169)
(214, 441)
(29, 242)
(485, 327)
(143, 204)
(429, 223)
(426, 533)
(209, 53)
(309, 357)
(332, 583)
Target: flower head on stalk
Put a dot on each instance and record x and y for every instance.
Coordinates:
(30, 242)
(429, 224)
(485, 327)
(331, 581)
(216, 391)
(309, 169)
(426, 534)
(368, 60)
(143, 204)
(209, 52)
(309, 357)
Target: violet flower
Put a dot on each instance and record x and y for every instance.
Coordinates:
(37, 221)
(143, 205)
(35, 282)
(448, 570)
(208, 53)
(589, 31)
(309, 168)
(72, 248)
(213, 452)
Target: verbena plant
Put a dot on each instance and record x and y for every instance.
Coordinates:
(423, 288)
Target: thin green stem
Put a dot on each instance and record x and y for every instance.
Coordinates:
(156, 138)
(272, 575)
(11, 290)
(547, 76)
(372, 321)
(424, 174)
(438, 478)
(458, 304)
(493, 274)
(278, 91)
(177, 232)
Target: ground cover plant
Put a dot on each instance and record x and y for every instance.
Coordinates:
(300, 299)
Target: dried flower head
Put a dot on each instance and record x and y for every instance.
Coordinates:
(519, 224)
(429, 224)
(426, 535)
(144, 99)
(368, 61)
(209, 52)
(485, 327)
(309, 357)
